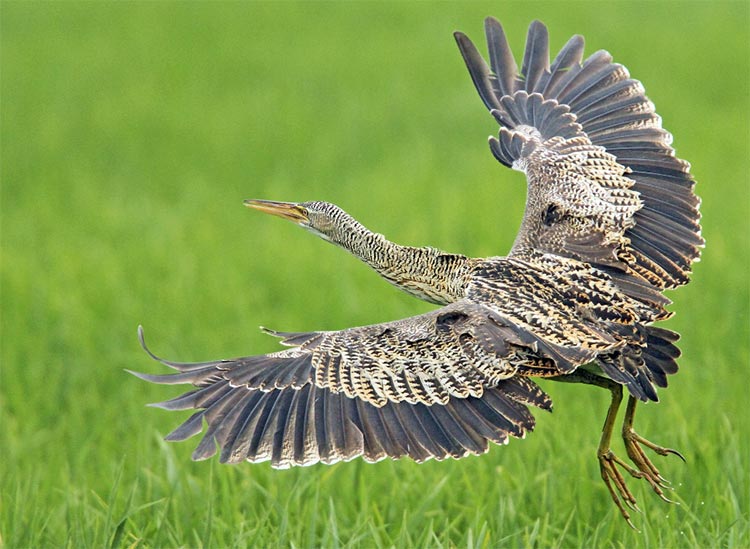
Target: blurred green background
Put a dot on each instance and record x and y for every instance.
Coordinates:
(131, 133)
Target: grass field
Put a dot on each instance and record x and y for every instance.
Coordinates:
(131, 133)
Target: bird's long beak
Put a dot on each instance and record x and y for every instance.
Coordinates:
(290, 211)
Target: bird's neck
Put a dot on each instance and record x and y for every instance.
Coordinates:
(427, 273)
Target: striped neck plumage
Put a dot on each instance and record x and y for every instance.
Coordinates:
(425, 272)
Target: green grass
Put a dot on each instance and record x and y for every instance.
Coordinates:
(131, 133)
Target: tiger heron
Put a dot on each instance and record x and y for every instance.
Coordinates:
(611, 221)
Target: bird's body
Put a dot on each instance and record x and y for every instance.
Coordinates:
(611, 221)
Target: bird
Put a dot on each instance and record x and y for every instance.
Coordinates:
(611, 222)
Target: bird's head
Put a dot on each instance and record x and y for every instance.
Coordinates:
(323, 219)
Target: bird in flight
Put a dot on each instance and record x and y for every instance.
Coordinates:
(611, 221)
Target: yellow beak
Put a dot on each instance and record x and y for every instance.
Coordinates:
(290, 211)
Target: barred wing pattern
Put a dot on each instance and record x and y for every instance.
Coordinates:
(442, 384)
(588, 118)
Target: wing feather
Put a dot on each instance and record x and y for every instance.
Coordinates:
(377, 441)
(465, 411)
(478, 69)
(566, 64)
(249, 416)
(536, 55)
(324, 439)
(230, 406)
(297, 448)
(191, 427)
(458, 350)
(594, 98)
(240, 431)
(465, 436)
(284, 426)
(501, 58)
(408, 444)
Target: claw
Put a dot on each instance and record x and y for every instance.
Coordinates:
(665, 498)
(628, 433)
(675, 453)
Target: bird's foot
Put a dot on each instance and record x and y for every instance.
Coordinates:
(610, 465)
(646, 469)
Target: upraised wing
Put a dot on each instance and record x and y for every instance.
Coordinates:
(604, 184)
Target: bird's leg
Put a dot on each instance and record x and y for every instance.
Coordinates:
(608, 461)
(633, 442)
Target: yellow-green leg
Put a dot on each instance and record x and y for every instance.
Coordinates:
(609, 461)
(636, 454)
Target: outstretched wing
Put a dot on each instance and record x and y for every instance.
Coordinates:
(604, 183)
(312, 424)
(436, 385)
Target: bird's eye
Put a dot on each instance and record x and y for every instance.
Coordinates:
(551, 215)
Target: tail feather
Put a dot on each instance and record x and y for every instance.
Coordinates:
(645, 365)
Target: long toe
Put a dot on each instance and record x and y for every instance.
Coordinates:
(615, 482)
(634, 446)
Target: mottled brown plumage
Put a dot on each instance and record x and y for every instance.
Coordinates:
(591, 143)
(611, 220)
